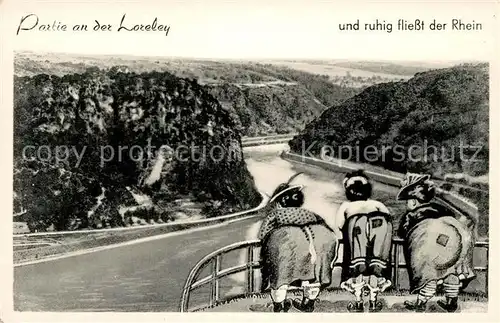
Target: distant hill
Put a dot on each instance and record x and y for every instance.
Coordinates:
(444, 108)
(402, 69)
(360, 74)
(265, 98)
(278, 107)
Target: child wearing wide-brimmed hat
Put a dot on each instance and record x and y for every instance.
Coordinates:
(438, 247)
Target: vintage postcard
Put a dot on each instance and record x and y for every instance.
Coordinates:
(253, 157)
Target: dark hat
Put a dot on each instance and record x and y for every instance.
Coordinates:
(357, 186)
(286, 188)
(297, 188)
(411, 183)
(355, 176)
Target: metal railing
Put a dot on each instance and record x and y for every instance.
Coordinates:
(21, 242)
(384, 176)
(182, 223)
(265, 142)
(271, 137)
(214, 261)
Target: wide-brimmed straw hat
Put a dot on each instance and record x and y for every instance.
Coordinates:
(410, 182)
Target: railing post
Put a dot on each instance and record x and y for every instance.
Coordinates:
(250, 276)
(396, 266)
(214, 294)
(486, 273)
(185, 299)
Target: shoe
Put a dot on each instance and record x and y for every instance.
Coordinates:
(415, 306)
(282, 307)
(304, 305)
(383, 286)
(347, 287)
(450, 305)
(375, 306)
(356, 307)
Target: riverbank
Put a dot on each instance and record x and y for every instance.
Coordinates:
(57, 244)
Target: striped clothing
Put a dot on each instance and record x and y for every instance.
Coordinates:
(367, 231)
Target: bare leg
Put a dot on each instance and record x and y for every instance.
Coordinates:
(279, 296)
(358, 286)
(373, 286)
(310, 293)
(357, 289)
(358, 240)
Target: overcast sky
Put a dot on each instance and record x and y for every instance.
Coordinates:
(256, 29)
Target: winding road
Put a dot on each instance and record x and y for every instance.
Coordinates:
(149, 276)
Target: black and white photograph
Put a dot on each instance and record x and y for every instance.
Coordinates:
(246, 157)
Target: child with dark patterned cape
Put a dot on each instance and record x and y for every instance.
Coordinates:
(298, 249)
(438, 247)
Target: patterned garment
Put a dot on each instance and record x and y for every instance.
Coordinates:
(295, 216)
(425, 211)
(367, 245)
(287, 259)
(436, 245)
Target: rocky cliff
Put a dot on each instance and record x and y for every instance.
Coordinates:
(84, 144)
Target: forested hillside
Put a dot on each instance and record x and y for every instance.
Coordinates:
(85, 143)
(436, 122)
(277, 108)
(265, 98)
